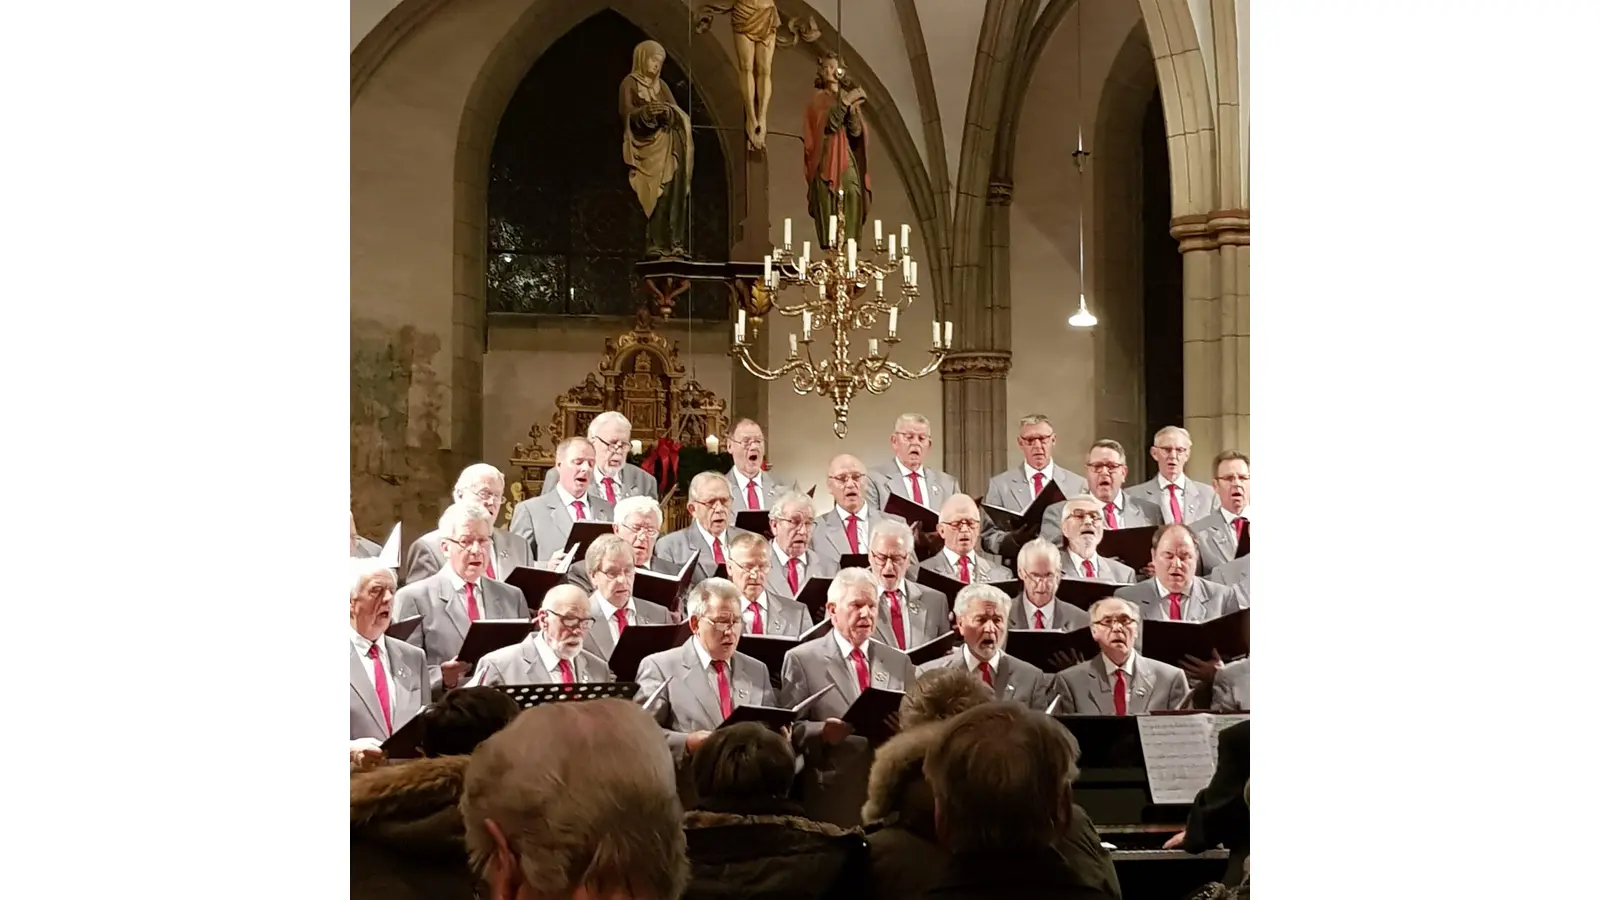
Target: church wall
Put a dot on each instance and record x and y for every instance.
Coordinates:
(1054, 369)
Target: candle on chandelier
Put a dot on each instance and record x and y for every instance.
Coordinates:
(892, 253)
(833, 231)
(872, 347)
(936, 334)
(905, 238)
(712, 443)
(805, 257)
(788, 233)
(894, 313)
(879, 279)
(766, 270)
(636, 446)
(877, 232)
(794, 345)
(738, 329)
(850, 254)
(913, 273)
(947, 343)
(805, 324)
(905, 268)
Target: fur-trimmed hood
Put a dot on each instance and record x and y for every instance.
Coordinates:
(771, 850)
(411, 807)
(895, 788)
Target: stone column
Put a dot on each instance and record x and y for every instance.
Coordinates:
(1216, 332)
(751, 242)
(975, 416)
(1232, 230)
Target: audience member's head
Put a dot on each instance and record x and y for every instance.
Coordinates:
(1002, 780)
(747, 762)
(576, 800)
(464, 719)
(942, 694)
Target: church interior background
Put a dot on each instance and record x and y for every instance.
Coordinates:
(495, 300)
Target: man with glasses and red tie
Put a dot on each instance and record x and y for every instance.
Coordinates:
(1119, 681)
(790, 559)
(1181, 499)
(846, 527)
(1017, 488)
(763, 611)
(906, 475)
(908, 613)
(1176, 594)
(553, 652)
(1107, 466)
(1084, 526)
(450, 600)
(711, 506)
(545, 521)
(388, 678)
(1220, 534)
(612, 604)
(753, 486)
(639, 525)
(1039, 609)
(958, 524)
(484, 485)
(611, 436)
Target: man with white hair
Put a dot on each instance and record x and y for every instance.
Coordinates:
(1017, 488)
(612, 604)
(575, 800)
(545, 521)
(553, 653)
(1180, 498)
(711, 506)
(1039, 609)
(1083, 525)
(1219, 534)
(844, 529)
(790, 559)
(484, 485)
(1119, 681)
(847, 656)
(752, 485)
(611, 436)
(388, 678)
(638, 523)
(763, 612)
(982, 611)
(959, 524)
(909, 614)
(906, 475)
(450, 600)
(1175, 593)
(1107, 466)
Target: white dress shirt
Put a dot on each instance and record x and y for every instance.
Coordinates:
(599, 482)
(363, 647)
(1048, 610)
(1049, 472)
(972, 565)
(1227, 519)
(611, 615)
(460, 586)
(706, 536)
(744, 487)
(1117, 505)
(1077, 565)
(863, 534)
(710, 673)
(973, 660)
(904, 595)
(567, 500)
(1165, 499)
(749, 617)
(845, 648)
(1127, 671)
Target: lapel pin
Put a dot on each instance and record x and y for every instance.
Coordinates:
(742, 693)
(915, 606)
(879, 677)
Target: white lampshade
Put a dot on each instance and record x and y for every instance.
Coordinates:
(1082, 318)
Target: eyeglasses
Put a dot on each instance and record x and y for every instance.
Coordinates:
(848, 477)
(610, 445)
(913, 438)
(614, 574)
(1104, 466)
(881, 558)
(963, 524)
(488, 497)
(760, 565)
(1115, 621)
(471, 543)
(579, 622)
(796, 523)
(724, 626)
(1089, 514)
(1234, 479)
(748, 442)
(1039, 439)
(650, 530)
(715, 502)
(1040, 577)
(1173, 451)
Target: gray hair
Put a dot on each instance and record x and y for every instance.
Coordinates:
(607, 546)
(789, 500)
(1172, 429)
(1036, 548)
(585, 796)
(982, 593)
(606, 418)
(749, 539)
(914, 419)
(631, 506)
(1001, 776)
(1034, 419)
(364, 570)
(460, 514)
(564, 449)
(698, 485)
(1079, 498)
(702, 594)
(1133, 608)
(892, 528)
(848, 578)
(555, 595)
(476, 474)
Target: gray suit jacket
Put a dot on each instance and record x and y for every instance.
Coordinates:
(828, 539)
(987, 569)
(1014, 679)
(633, 481)
(544, 521)
(1230, 690)
(425, 558)
(690, 703)
(1237, 575)
(928, 609)
(937, 486)
(676, 547)
(1087, 690)
(1215, 540)
(366, 549)
(578, 573)
(407, 676)
(768, 486)
(1136, 512)
(444, 617)
(1012, 489)
(1198, 501)
(1206, 600)
(812, 565)
(1107, 570)
(1059, 616)
(598, 640)
(521, 664)
(811, 666)
(783, 617)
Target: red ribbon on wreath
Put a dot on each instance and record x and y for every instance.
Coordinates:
(663, 461)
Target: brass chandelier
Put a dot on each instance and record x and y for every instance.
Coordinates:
(834, 296)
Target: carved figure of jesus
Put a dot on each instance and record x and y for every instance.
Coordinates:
(755, 36)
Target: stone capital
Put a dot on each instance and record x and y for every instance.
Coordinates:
(1000, 193)
(966, 365)
(1211, 230)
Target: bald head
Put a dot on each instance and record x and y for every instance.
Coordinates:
(847, 482)
(958, 523)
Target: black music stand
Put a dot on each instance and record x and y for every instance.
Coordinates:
(530, 695)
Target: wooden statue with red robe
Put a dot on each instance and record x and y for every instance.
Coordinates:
(837, 181)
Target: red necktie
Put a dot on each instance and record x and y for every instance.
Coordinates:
(850, 533)
(916, 487)
(1038, 619)
(751, 501)
(1038, 483)
(1119, 694)
(966, 573)
(988, 676)
(1239, 524)
(1175, 607)
(621, 616)
(894, 619)
(716, 552)
(862, 679)
(1088, 569)
(611, 493)
(577, 510)
(380, 683)
(1172, 501)
(1111, 517)
(566, 671)
(794, 575)
(755, 618)
(472, 603)
(724, 694)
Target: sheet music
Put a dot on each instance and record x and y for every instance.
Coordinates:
(1180, 753)
(566, 559)
(390, 554)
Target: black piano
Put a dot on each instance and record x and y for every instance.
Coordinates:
(1113, 789)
